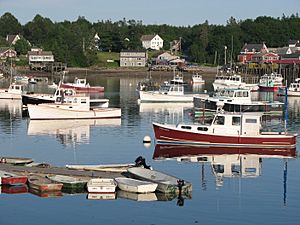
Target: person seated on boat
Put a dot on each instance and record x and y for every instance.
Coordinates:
(141, 162)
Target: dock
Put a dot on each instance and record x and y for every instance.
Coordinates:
(25, 170)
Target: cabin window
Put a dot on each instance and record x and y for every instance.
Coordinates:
(219, 120)
(250, 170)
(235, 169)
(251, 120)
(83, 101)
(245, 93)
(75, 100)
(202, 128)
(218, 168)
(236, 121)
(186, 127)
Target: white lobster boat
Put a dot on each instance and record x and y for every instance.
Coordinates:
(72, 108)
(13, 92)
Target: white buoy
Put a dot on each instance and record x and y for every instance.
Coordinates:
(147, 139)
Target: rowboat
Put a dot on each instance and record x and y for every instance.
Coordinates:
(69, 182)
(42, 184)
(15, 160)
(12, 179)
(101, 185)
(140, 197)
(136, 186)
(166, 183)
(103, 167)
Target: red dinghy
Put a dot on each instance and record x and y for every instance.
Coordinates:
(226, 129)
(12, 179)
(80, 85)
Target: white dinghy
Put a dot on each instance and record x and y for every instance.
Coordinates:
(136, 186)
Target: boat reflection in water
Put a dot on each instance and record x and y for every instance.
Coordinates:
(197, 87)
(69, 132)
(137, 196)
(226, 162)
(13, 107)
(171, 111)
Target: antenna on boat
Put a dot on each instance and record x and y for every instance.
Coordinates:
(286, 107)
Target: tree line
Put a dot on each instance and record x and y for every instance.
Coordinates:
(74, 44)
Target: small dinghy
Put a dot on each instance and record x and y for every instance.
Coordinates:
(107, 168)
(12, 179)
(43, 184)
(101, 185)
(166, 183)
(70, 182)
(136, 186)
(15, 160)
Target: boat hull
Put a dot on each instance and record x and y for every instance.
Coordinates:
(7, 95)
(84, 89)
(136, 186)
(160, 97)
(171, 134)
(14, 180)
(44, 112)
(43, 184)
(165, 183)
(98, 185)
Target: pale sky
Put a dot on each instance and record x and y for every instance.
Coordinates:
(177, 13)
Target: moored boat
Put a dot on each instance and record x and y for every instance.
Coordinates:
(101, 185)
(134, 185)
(197, 79)
(14, 91)
(12, 179)
(69, 182)
(236, 100)
(43, 184)
(74, 108)
(293, 89)
(165, 182)
(104, 167)
(226, 129)
(15, 160)
(81, 85)
(271, 82)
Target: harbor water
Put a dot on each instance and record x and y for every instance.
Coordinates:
(230, 186)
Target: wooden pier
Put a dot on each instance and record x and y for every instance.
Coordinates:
(25, 170)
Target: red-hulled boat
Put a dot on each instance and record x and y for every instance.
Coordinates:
(12, 179)
(80, 85)
(173, 151)
(226, 129)
(271, 82)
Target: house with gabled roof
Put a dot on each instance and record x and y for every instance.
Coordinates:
(7, 52)
(154, 42)
(12, 38)
(249, 50)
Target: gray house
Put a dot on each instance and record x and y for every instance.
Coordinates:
(132, 58)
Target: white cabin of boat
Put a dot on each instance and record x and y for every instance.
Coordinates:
(15, 88)
(245, 124)
(173, 89)
(77, 103)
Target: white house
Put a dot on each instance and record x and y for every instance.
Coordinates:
(154, 42)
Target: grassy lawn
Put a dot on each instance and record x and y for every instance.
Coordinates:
(108, 59)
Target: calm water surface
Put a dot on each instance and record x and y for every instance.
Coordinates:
(229, 186)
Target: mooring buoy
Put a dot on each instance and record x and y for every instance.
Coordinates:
(147, 139)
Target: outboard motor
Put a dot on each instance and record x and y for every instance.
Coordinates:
(141, 162)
